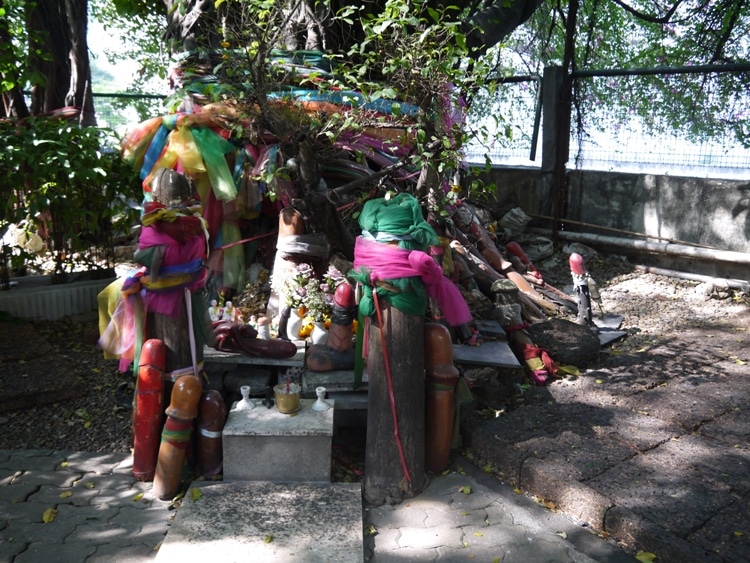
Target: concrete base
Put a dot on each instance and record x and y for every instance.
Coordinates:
(262, 444)
(267, 522)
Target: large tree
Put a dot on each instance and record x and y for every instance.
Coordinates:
(44, 46)
(677, 35)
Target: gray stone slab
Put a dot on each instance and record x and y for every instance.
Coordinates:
(673, 481)
(495, 354)
(337, 380)
(608, 336)
(490, 328)
(213, 356)
(261, 421)
(608, 321)
(262, 444)
(267, 522)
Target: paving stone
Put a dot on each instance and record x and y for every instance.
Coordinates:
(23, 511)
(665, 487)
(39, 532)
(143, 519)
(137, 553)
(397, 516)
(37, 552)
(428, 538)
(475, 500)
(84, 517)
(730, 428)
(683, 402)
(51, 495)
(30, 460)
(99, 463)
(102, 533)
(111, 481)
(643, 534)
(499, 514)
(121, 497)
(455, 518)
(55, 478)
(15, 493)
(405, 554)
(10, 547)
(725, 534)
(543, 551)
(489, 536)
(387, 539)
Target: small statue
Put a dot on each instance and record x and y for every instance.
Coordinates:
(231, 313)
(214, 311)
(586, 291)
(264, 328)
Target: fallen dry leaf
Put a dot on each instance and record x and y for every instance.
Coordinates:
(49, 515)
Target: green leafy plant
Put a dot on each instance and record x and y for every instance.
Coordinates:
(69, 183)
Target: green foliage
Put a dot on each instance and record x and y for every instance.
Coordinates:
(698, 106)
(68, 181)
(412, 55)
(14, 72)
(141, 22)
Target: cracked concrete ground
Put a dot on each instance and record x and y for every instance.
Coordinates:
(651, 447)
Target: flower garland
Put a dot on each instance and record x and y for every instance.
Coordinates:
(309, 297)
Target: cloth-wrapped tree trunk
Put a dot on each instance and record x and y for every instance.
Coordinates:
(395, 449)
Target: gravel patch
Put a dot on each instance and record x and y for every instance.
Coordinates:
(674, 326)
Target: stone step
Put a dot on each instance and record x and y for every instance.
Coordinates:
(267, 522)
(263, 444)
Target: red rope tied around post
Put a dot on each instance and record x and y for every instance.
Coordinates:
(389, 380)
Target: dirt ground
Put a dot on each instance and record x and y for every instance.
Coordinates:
(648, 444)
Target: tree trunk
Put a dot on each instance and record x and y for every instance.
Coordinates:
(79, 93)
(386, 464)
(14, 104)
(59, 28)
(176, 337)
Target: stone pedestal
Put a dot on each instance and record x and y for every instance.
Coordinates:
(262, 444)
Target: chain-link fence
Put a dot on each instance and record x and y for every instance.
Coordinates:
(120, 112)
(701, 141)
(688, 124)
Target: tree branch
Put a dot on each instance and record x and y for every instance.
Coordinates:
(648, 17)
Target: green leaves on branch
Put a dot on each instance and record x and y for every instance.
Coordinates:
(66, 178)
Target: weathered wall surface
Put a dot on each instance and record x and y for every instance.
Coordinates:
(711, 213)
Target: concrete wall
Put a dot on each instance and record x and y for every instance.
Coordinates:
(712, 213)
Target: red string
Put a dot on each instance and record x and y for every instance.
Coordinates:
(390, 388)
(244, 240)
